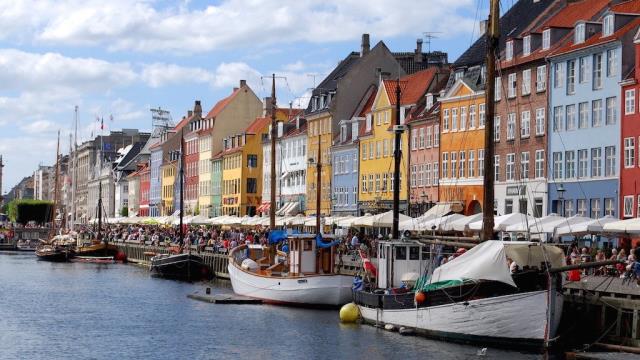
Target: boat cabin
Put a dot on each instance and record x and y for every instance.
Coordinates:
(398, 260)
(306, 257)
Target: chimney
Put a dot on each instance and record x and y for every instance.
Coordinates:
(197, 109)
(483, 27)
(266, 106)
(418, 52)
(243, 83)
(364, 47)
(189, 113)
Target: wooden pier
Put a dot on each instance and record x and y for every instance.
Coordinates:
(225, 299)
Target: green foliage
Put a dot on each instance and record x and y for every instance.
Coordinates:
(196, 211)
(23, 211)
(124, 212)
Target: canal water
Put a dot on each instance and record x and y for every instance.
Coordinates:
(92, 311)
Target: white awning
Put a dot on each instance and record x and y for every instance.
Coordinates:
(502, 222)
(586, 227)
(629, 226)
(293, 209)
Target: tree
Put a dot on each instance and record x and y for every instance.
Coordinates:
(24, 211)
(124, 212)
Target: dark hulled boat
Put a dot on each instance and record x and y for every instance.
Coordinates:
(185, 266)
(54, 253)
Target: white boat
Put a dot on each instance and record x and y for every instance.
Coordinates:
(478, 300)
(297, 278)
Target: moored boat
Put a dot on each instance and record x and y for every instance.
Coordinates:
(185, 266)
(54, 253)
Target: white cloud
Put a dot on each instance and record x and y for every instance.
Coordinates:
(143, 26)
(39, 127)
(161, 74)
(230, 74)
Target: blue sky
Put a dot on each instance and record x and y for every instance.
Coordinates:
(121, 57)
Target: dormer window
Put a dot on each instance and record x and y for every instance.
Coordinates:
(526, 45)
(546, 39)
(579, 34)
(509, 51)
(429, 101)
(607, 25)
(321, 102)
(368, 122)
(343, 133)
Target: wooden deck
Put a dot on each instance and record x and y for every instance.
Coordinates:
(225, 299)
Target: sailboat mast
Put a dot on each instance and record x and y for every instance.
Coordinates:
(181, 181)
(100, 188)
(274, 132)
(493, 36)
(319, 183)
(397, 153)
(55, 186)
(75, 171)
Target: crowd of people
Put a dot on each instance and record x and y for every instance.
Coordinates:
(627, 266)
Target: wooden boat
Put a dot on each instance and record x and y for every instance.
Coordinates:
(54, 253)
(474, 298)
(24, 245)
(94, 259)
(188, 267)
(97, 249)
(300, 278)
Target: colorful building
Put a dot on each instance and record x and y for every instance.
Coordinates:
(584, 100)
(191, 159)
(242, 169)
(216, 185)
(145, 178)
(205, 186)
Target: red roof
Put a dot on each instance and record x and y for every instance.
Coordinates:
(412, 86)
(257, 125)
(596, 39)
(220, 105)
(574, 12)
(627, 7)
(218, 155)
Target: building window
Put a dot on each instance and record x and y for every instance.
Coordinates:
(445, 120)
(429, 143)
(582, 70)
(630, 101)
(579, 34)
(541, 78)
(436, 135)
(252, 161)
(596, 113)
(370, 186)
(481, 162)
(546, 39)
(583, 115)
(463, 162)
(498, 86)
(472, 117)
(526, 45)
(571, 117)
(524, 165)
(628, 206)
(378, 149)
(526, 82)
(610, 161)
(454, 119)
(414, 139)
(421, 138)
(364, 151)
(385, 179)
(454, 164)
(607, 25)
(540, 123)
(537, 208)
(583, 163)
(557, 165)
(445, 165)
(436, 176)
(496, 128)
(496, 167)
(595, 208)
(570, 164)
(568, 208)
(385, 146)
(557, 119)
(612, 62)
(629, 152)
(596, 162)
(511, 168)
(597, 71)
(508, 206)
(511, 126)
(512, 86)
(611, 111)
(558, 75)
(481, 115)
(582, 207)
(364, 183)
(609, 208)
(463, 117)
(472, 163)
(252, 186)
(539, 164)
(413, 176)
(571, 77)
(509, 51)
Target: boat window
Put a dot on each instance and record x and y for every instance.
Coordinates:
(401, 253)
(414, 253)
(307, 245)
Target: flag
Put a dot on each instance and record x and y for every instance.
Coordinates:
(102, 124)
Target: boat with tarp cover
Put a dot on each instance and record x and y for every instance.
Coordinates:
(473, 298)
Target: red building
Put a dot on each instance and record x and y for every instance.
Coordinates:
(630, 137)
(191, 159)
(145, 186)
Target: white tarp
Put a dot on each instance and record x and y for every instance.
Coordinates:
(461, 224)
(439, 222)
(485, 261)
(534, 254)
(629, 226)
(502, 222)
(569, 223)
(386, 219)
(587, 227)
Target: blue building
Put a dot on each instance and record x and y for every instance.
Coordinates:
(584, 113)
(155, 187)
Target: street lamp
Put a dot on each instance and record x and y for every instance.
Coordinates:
(560, 190)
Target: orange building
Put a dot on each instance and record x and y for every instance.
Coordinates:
(462, 121)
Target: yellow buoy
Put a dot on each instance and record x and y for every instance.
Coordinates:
(349, 313)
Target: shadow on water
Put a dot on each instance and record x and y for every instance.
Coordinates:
(99, 311)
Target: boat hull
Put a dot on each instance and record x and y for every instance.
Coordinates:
(312, 290)
(98, 250)
(186, 267)
(54, 256)
(524, 320)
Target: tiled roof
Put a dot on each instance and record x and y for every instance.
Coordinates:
(257, 125)
(407, 60)
(368, 98)
(293, 131)
(575, 11)
(217, 156)
(627, 7)
(596, 39)
(231, 151)
(220, 105)
(412, 87)
(512, 23)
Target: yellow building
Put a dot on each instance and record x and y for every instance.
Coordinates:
(319, 129)
(462, 119)
(168, 180)
(376, 165)
(242, 169)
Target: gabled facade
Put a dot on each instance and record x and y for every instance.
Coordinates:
(584, 101)
(216, 185)
(191, 159)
